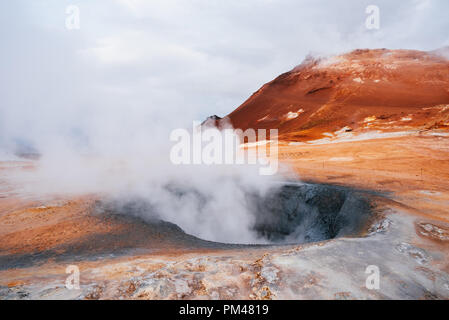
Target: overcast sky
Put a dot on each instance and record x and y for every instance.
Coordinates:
(135, 63)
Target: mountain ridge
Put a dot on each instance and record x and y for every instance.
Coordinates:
(364, 90)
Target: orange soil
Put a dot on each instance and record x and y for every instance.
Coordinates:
(411, 168)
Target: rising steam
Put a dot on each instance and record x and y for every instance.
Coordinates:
(133, 165)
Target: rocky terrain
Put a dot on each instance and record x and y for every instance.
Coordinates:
(367, 134)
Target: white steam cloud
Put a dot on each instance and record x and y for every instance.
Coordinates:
(209, 202)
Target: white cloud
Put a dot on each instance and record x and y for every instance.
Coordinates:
(114, 50)
(138, 47)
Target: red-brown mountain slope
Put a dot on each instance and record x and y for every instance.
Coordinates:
(387, 90)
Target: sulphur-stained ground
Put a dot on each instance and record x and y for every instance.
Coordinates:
(121, 257)
(409, 269)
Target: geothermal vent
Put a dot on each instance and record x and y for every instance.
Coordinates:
(290, 213)
(301, 213)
